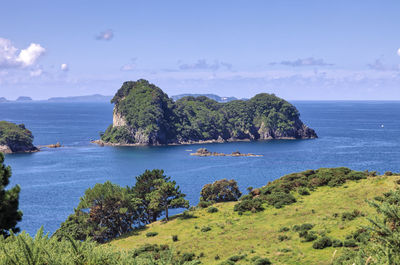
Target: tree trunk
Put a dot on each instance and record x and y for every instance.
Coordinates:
(166, 213)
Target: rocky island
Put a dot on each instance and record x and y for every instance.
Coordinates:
(145, 115)
(15, 138)
(205, 152)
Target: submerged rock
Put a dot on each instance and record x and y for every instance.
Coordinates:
(205, 152)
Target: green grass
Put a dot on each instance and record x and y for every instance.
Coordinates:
(256, 234)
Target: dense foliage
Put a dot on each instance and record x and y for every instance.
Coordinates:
(107, 210)
(153, 118)
(221, 191)
(42, 250)
(278, 193)
(9, 200)
(16, 137)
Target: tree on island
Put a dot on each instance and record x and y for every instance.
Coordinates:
(166, 195)
(9, 200)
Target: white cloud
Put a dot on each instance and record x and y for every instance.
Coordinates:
(11, 58)
(105, 35)
(310, 61)
(64, 67)
(398, 52)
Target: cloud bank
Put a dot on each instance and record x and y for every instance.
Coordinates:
(310, 61)
(12, 57)
(202, 64)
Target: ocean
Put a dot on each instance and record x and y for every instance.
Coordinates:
(356, 134)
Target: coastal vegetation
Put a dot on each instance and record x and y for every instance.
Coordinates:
(144, 114)
(15, 138)
(324, 216)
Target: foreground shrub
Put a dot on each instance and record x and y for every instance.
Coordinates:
(322, 243)
(303, 227)
(205, 204)
(337, 243)
(262, 261)
(303, 191)
(349, 243)
(221, 191)
(351, 215)
(205, 229)
(175, 238)
(283, 237)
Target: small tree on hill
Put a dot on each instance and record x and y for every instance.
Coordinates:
(166, 195)
(9, 200)
(221, 191)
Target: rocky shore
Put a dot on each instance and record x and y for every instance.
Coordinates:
(205, 152)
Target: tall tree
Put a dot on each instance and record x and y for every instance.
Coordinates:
(9, 200)
(146, 184)
(166, 195)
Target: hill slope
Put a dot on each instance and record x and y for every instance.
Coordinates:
(145, 115)
(257, 234)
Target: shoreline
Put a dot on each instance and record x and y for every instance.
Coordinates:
(102, 143)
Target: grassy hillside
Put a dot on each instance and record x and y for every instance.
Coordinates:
(258, 234)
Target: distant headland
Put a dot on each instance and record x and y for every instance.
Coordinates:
(145, 115)
(15, 138)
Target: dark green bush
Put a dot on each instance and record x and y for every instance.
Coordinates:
(205, 204)
(322, 243)
(236, 258)
(205, 229)
(303, 191)
(212, 210)
(151, 234)
(337, 243)
(280, 199)
(302, 227)
(249, 205)
(349, 243)
(283, 237)
(284, 229)
(351, 215)
(175, 238)
(188, 256)
(221, 191)
(262, 261)
(309, 236)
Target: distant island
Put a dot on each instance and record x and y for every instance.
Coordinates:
(23, 99)
(145, 115)
(15, 138)
(210, 96)
(89, 98)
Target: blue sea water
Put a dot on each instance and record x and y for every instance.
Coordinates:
(350, 134)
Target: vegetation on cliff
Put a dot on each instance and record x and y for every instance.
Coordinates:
(144, 114)
(15, 138)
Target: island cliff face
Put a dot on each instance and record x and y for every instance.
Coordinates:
(15, 138)
(145, 115)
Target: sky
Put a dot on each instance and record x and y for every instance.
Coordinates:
(299, 50)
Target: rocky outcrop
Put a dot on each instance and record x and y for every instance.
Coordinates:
(15, 139)
(118, 119)
(205, 152)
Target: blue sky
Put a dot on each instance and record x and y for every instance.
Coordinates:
(295, 49)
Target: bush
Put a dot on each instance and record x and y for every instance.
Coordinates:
(351, 215)
(280, 199)
(337, 243)
(303, 227)
(303, 191)
(205, 229)
(310, 236)
(388, 173)
(216, 257)
(262, 261)
(212, 210)
(284, 229)
(151, 234)
(205, 204)
(175, 238)
(349, 243)
(322, 243)
(236, 258)
(221, 191)
(283, 237)
(188, 256)
(249, 205)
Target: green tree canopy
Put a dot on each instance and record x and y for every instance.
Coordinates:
(9, 200)
(221, 191)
